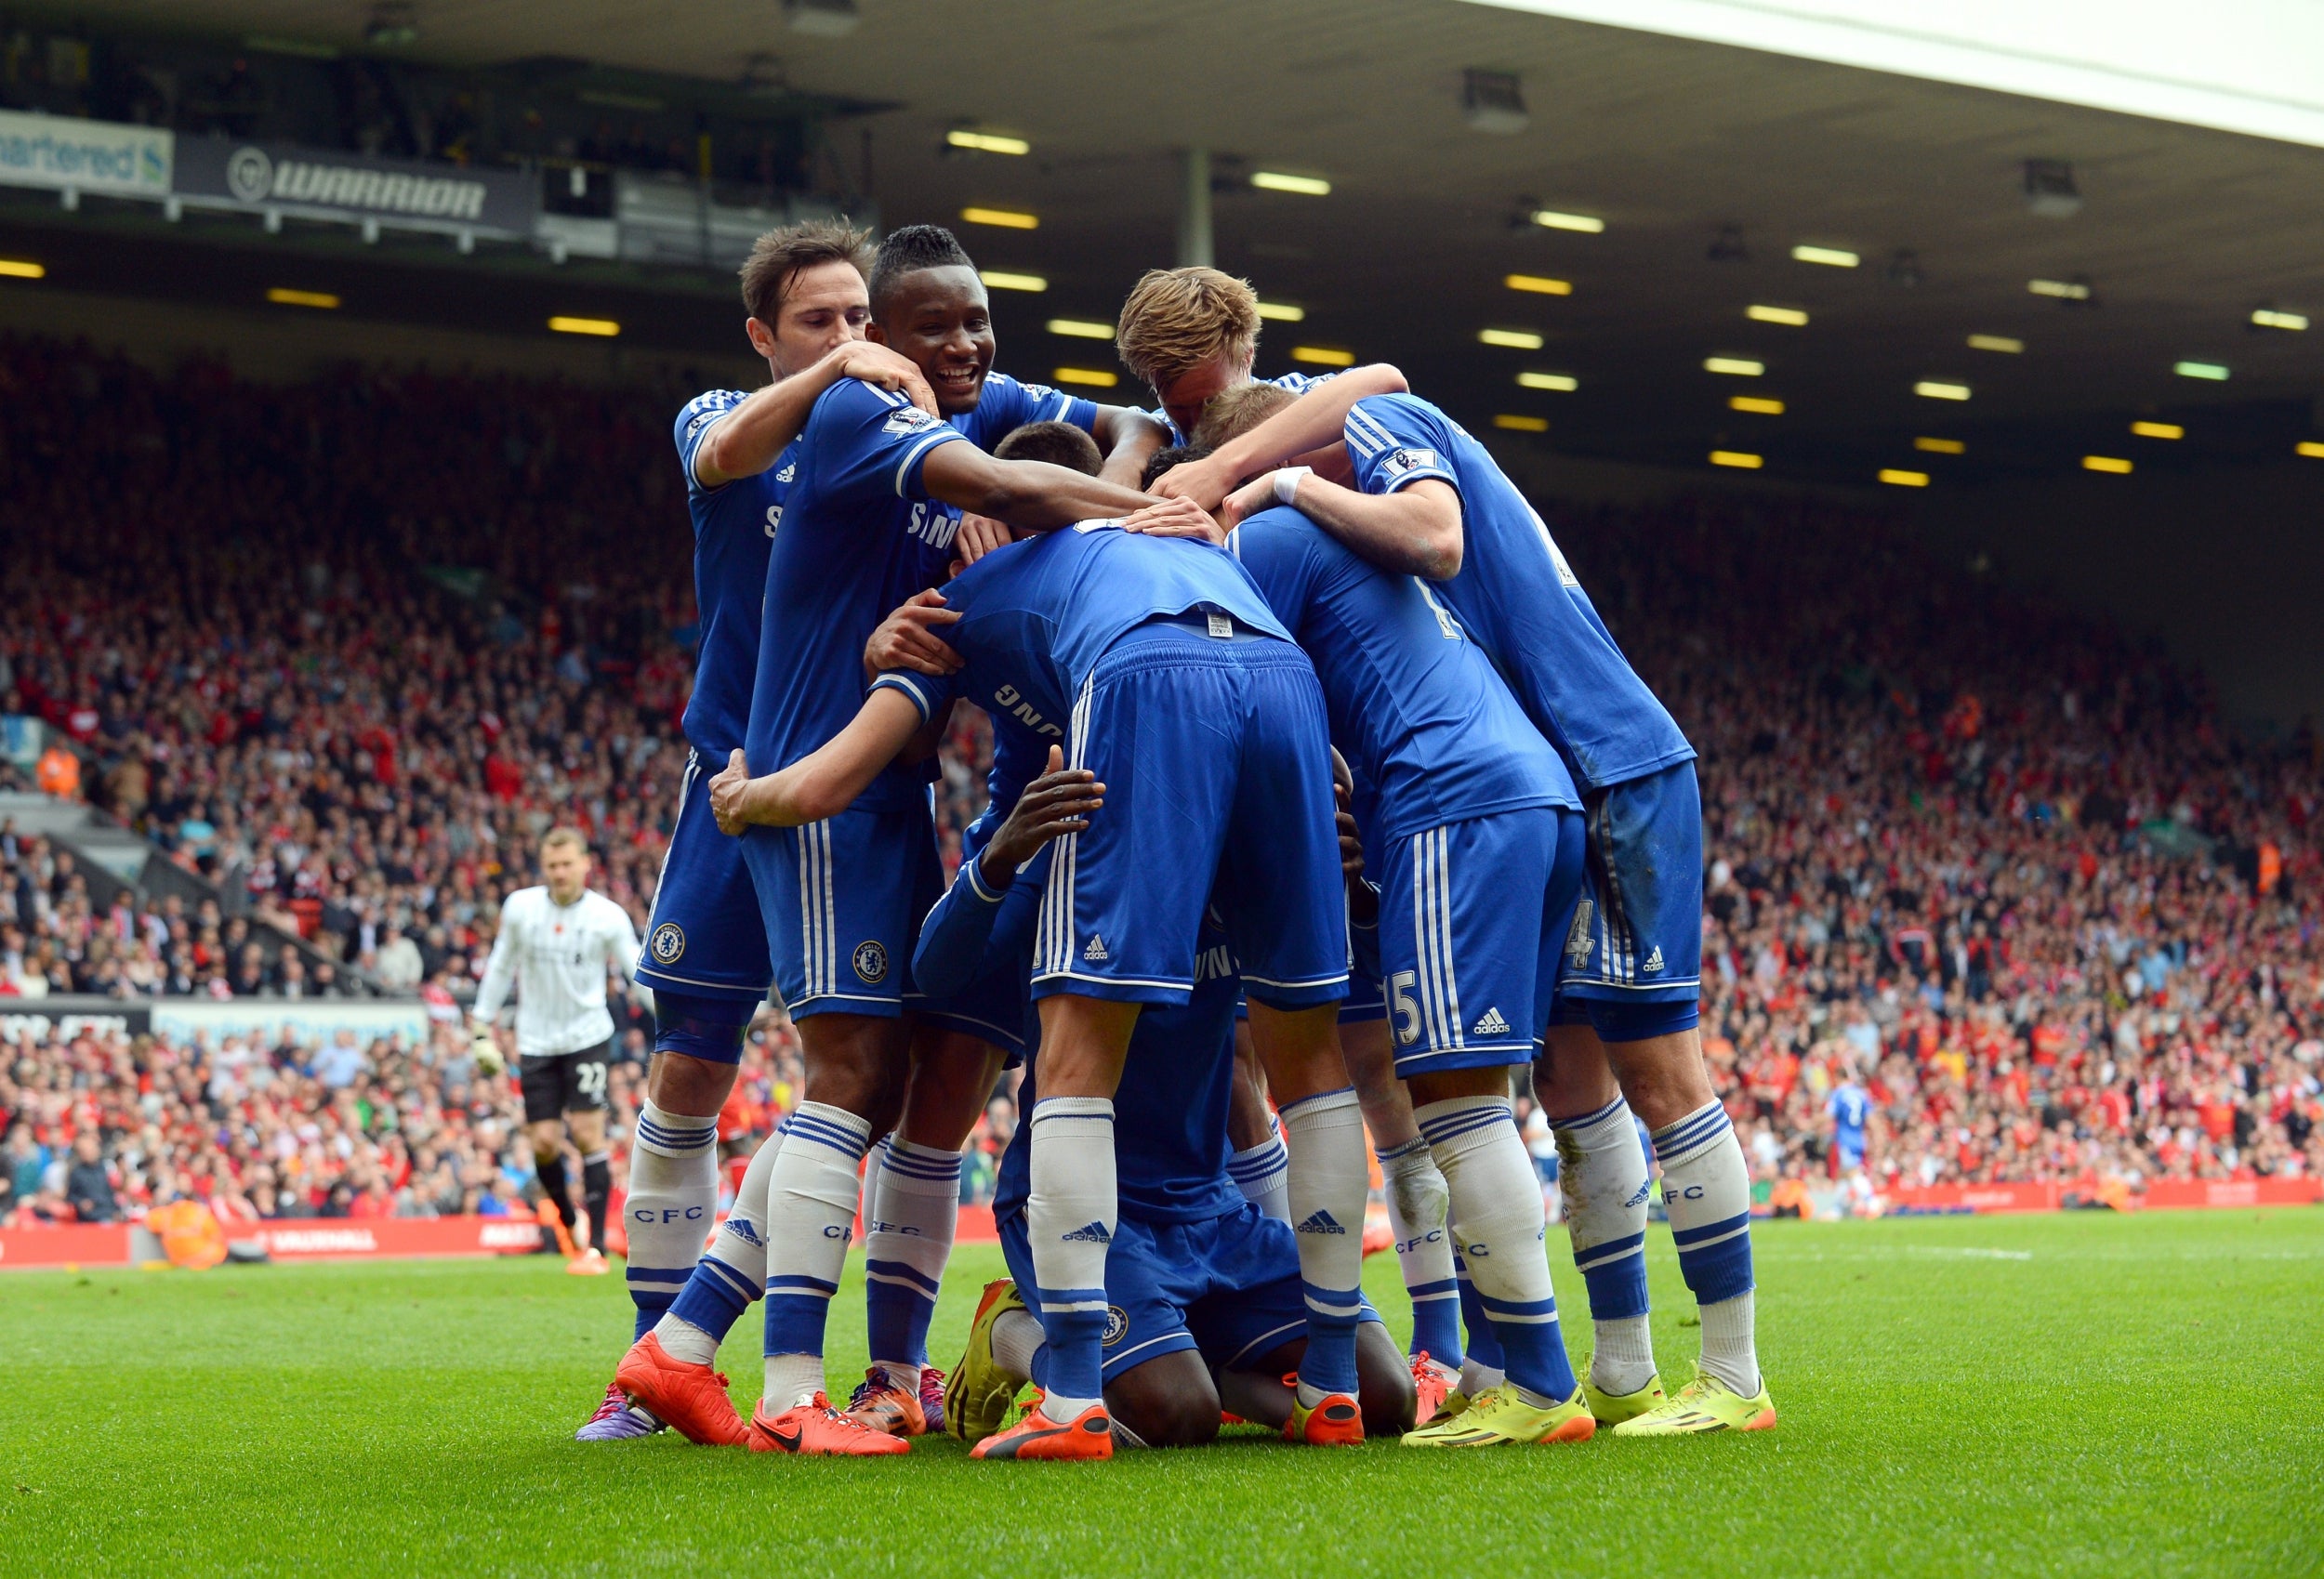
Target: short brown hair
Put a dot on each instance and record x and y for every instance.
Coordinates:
(1177, 319)
(777, 257)
(1059, 444)
(564, 834)
(1230, 414)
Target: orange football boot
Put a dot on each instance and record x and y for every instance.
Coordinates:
(1088, 1435)
(690, 1398)
(1336, 1421)
(815, 1430)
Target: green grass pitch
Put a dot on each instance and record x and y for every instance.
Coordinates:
(2085, 1394)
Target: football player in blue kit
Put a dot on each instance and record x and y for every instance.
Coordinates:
(1425, 498)
(871, 518)
(1157, 666)
(705, 956)
(1205, 1304)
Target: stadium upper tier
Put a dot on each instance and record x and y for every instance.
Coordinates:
(348, 647)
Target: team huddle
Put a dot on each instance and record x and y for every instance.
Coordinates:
(1320, 798)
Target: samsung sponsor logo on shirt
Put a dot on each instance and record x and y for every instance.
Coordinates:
(404, 193)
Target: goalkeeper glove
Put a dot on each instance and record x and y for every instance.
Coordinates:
(486, 1052)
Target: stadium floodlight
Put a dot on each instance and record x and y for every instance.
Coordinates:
(1323, 356)
(2076, 289)
(22, 268)
(1554, 220)
(1539, 284)
(1735, 366)
(1563, 383)
(2003, 343)
(1095, 378)
(1941, 446)
(2157, 429)
(1516, 423)
(1940, 390)
(973, 141)
(2309, 448)
(1007, 218)
(2269, 318)
(283, 296)
(1493, 102)
(1742, 460)
(1004, 280)
(1081, 328)
(1281, 312)
(1830, 257)
(1758, 405)
(1896, 476)
(2112, 465)
(1514, 339)
(822, 19)
(393, 25)
(603, 328)
(1759, 313)
(2210, 371)
(1276, 180)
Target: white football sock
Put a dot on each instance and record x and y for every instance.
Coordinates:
(1730, 1344)
(737, 1259)
(673, 1201)
(1015, 1336)
(913, 1213)
(1071, 1212)
(1418, 1201)
(1622, 1360)
(1500, 1219)
(1262, 1173)
(1330, 1183)
(1707, 1190)
(811, 1196)
(1602, 1176)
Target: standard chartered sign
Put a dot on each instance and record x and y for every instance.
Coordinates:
(65, 155)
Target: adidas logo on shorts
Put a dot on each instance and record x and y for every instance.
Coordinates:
(1321, 1222)
(1654, 962)
(1088, 1233)
(1096, 951)
(1491, 1024)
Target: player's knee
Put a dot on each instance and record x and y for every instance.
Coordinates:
(1176, 1419)
(1384, 1389)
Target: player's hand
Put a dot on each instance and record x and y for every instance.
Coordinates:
(888, 368)
(980, 535)
(726, 793)
(1350, 841)
(907, 639)
(1200, 480)
(485, 1052)
(1058, 802)
(1257, 494)
(1175, 518)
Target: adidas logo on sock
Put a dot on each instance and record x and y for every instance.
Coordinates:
(1321, 1222)
(1090, 1234)
(741, 1229)
(1096, 951)
(1491, 1024)
(1654, 962)
(1640, 1199)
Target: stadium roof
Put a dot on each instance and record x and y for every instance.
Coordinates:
(2181, 232)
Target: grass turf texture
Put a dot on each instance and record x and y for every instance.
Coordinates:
(2085, 1394)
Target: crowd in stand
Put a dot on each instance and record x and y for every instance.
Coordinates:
(345, 649)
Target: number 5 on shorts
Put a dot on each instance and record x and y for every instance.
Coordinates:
(1402, 1009)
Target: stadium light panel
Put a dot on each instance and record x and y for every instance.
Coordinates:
(2309, 448)
(22, 268)
(1515, 339)
(1276, 180)
(1281, 312)
(603, 328)
(1095, 378)
(1896, 476)
(1081, 328)
(2157, 429)
(1583, 224)
(1758, 405)
(1742, 460)
(1740, 366)
(2061, 290)
(1539, 284)
(2114, 464)
(1941, 446)
(1323, 356)
(2211, 370)
(1513, 423)
(1007, 218)
(2003, 343)
(1938, 389)
(987, 142)
(1563, 383)
(1002, 280)
(2269, 318)
(1830, 257)
(1759, 313)
(283, 296)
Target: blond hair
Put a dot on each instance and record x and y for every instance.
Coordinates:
(1230, 414)
(1177, 319)
(564, 834)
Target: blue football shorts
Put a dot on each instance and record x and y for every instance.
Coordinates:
(841, 901)
(705, 937)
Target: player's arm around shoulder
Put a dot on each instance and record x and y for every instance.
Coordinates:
(825, 782)
(754, 432)
(1415, 530)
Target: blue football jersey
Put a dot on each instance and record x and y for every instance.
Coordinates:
(859, 537)
(1298, 383)
(1429, 728)
(1037, 615)
(1518, 599)
(734, 530)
